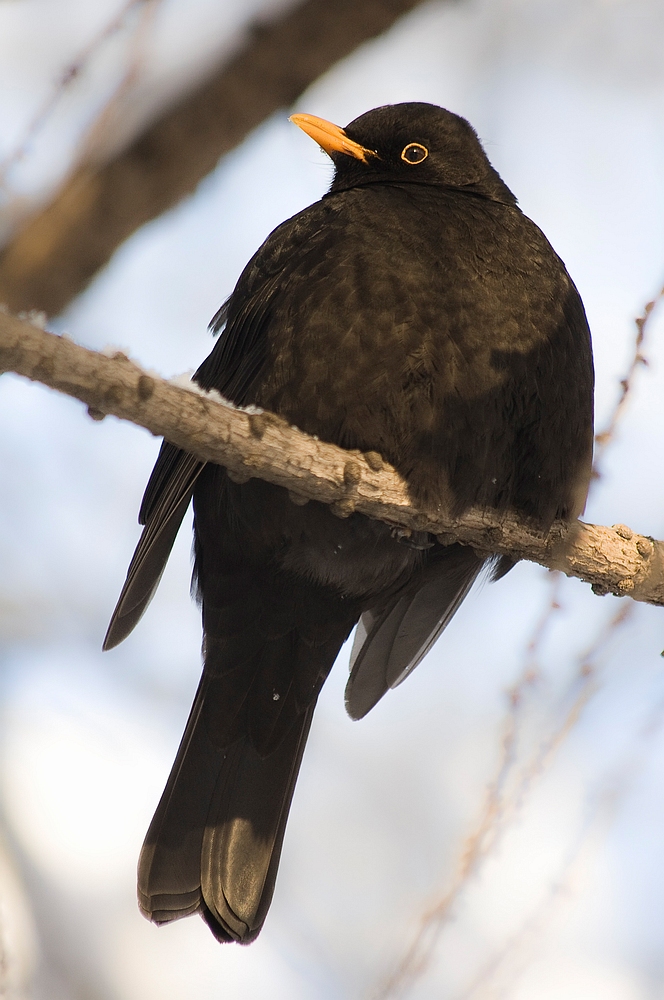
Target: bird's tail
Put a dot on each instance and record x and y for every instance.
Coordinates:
(214, 843)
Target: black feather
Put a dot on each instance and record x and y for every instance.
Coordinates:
(415, 312)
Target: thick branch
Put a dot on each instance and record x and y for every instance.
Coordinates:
(59, 251)
(256, 443)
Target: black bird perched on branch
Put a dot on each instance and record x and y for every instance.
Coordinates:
(416, 312)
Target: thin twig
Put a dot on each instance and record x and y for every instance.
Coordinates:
(65, 81)
(502, 805)
(606, 436)
(604, 807)
(95, 143)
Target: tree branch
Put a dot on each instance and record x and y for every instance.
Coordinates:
(58, 252)
(255, 443)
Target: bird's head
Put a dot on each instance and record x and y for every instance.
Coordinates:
(407, 143)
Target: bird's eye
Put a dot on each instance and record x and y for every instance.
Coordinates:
(414, 152)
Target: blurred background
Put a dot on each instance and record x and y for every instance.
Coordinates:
(495, 827)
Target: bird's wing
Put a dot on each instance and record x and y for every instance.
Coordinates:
(234, 364)
(231, 369)
(392, 639)
(167, 497)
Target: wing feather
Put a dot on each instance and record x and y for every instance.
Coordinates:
(232, 368)
(392, 639)
(153, 549)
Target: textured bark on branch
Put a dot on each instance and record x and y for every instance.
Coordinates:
(59, 251)
(253, 442)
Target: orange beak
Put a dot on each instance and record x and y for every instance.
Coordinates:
(331, 138)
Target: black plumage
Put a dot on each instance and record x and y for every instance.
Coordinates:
(413, 311)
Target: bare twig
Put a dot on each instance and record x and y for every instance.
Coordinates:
(532, 668)
(605, 437)
(263, 445)
(505, 799)
(67, 78)
(602, 810)
(58, 252)
(95, 143)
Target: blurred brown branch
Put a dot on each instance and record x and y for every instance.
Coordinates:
(58, 252)
(260, 444)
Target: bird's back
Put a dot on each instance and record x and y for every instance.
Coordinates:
(432, 326)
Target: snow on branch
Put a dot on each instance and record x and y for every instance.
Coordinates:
(255, 443)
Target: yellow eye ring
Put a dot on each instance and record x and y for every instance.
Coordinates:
(414, 153)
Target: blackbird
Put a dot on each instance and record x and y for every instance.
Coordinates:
(413, 311)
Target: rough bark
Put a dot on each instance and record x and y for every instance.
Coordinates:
(59, 251)
(256, 443)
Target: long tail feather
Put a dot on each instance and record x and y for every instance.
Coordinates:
(215, 840)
